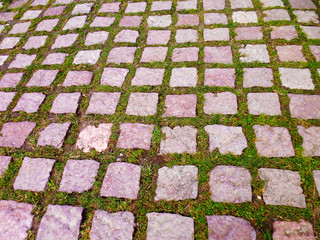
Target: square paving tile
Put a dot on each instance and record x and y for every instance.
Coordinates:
(218, 55)
(29, 102)
(102, 22)
(257, 77)
(248, 33)
(65, 40)
(290, 53)
(130, 21)
(273, 141)
(78, 176)
(75, 22)
(9, 42)
(220, 103)
(186, 35)
(295, 78)
(53, 135)
(307, 4)
(5, 100)
(129, 36)
(276, 15)
(33, 174)
(47, 25)
(4, 164)
(99, 37)
(311, 140)
(284, 32)
(20, 28)
(55, 58)
(222, 77)
(114, 76)
(122, 180)
(264, 103)
(306, 16)
(121, 55)
(188, 54)
(177, 183)
(110, 7)
(82, 8)
(142, 104)
(254, 53)
(227, 139)
(10, 79)
(180, 105)
(245, 17)
(75, 78)
(179, 140)
(65, 103)
(42, 78)
(161, 5)
(103, 103)
(304, 106)
(186, 5)
(118, 225)
(188, 20)
(54, 11)
(35, 42)
(272, 3)
(215, 18)
(216, 34)
(159, 21)
(96, 138)
(22, 61)
(236, 4)
(60, 222)
(87, 57)
(214, 5)
(154, 54)
(135, 7)
(282, 187)
(230, 184)
(142, 77)
(135, 135)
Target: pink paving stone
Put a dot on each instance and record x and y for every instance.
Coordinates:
(53, 135)
(7, 16)
(60, 222)
(249, 33)
(158, 37)
(257, 77)
(142, 104)
(114, 76)
(142, 77)
(273, 141)
(245, 17)
(16, 219)
(189, 54)
(186, 5)
(230, 184)
(130, 21)
(304, 106)
(177, 183)
(96, 38)
(29, 102)
(186, 35)
(222, 77)
(216, 34)
(122, 180)
(316, 177)
(188, 20)
(284, 32)
(308, 4)
(311, 32)
(315, 50)
(229, 227)
(33, 174)
(4, 164)
(118, 225)
(79, 175)
(135, 7)
(10, 80)
(311, 140)
(64, 1)
(272, 3)
(179, 140)
(35, 42)
(75, 22)
(9, 42)
(65, 40)
(121, 55)
(22, 61)
(292, 230)
(290, 53)
(220, 103)
(218, 55)
(103, 103)
(165, 225)
(184, 77)
(42, 78)
(214, 4)
(236, 4)
(110, 7)
(161, 5)
(55, 58)
(135, 135)
(296, 78)
(3, 58)
(276, 15)
(254, 53)
(306, 16)
(159, 21)
(5, 100)
(215, 18)
(180, 105)
(126, 35)
(96, 138)
(39, 2)
(102, 21)
(82, 8)
(18, 3)
(54, 11)
(264, 103)
(31, 14)
(154, 54)
(75, 78)
(20, 28)
(87, 57)
(47, 25)
(65, 103)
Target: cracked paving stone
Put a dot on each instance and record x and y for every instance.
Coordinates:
(159, 21)
(295, 78)
(154, 54)
(55, 58)
(292, 230)
(215, 18)
(179, 140)
(120, 55)
(158, 37)
(47, 25)
(102, 22)
(126, 35)
(75, 22)
(79, 175)
(122, 180)
(304, 106)
(114, 76)
(311, 140)
(65, 40)
(227, 139)
(184, 77)
(230, 184)
(4, 164)
(216, 34)
(103, 103)
(218, 55)
(245, 17)
(180, 105)
(177, 183)
(20, 28)
(257, 77)
(99, 37)
(142, 77)
(29, 102)
(264, 103)
(87, 57)
(6, 99)
(142, 104)
(96, 138)
(254, 53)
(248, 33)
(220, 103)
(10, 79)
(53, 134)
(60, 222)
(22, 61)
(290, 53)
(65, 103)
(222, 77)
(130, 21)
(273, 141)
(282, 187)
(75, 78)
(42, 78)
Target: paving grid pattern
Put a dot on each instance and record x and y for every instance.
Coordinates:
(106, 93)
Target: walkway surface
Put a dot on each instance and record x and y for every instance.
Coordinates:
(160, 120)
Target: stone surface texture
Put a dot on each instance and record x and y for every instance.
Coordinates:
(53, 134)
(293, 230)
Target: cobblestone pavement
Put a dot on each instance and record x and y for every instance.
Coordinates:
(175, 119)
